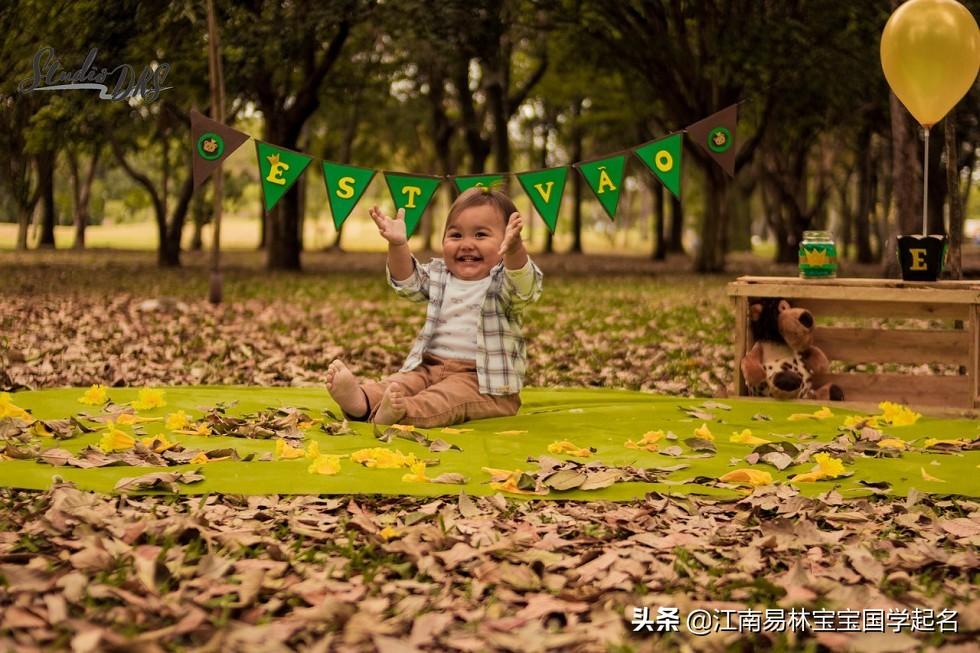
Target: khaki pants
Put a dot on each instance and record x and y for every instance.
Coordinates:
(441, 392)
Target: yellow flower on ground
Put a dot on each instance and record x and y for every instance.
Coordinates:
(892, 443)
(752, 477)
(827, 467)
(381, 458)
(931, 442)
(453, 431)
(149, 399)
(897, 414)
(326, 464)
(200, 459)
(115, 439)
(417, 475)
(648, 441)
(746, 437)
(177, 421)
(504, 480)
(822, 413)
(313, 450)
(158, 443)
(501, 474)
(128, 419)
(704, 432)
(569, 448)
(855, 422)
(389, 532)
(286, 452)
(406, 428)
(202, 429)
(94, 396)
(8, 409)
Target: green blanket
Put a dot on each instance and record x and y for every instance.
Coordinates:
(603, 420)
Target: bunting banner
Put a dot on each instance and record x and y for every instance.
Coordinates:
(212, 142)
(716, 136)
(279, 169)
(605, 178)
(345, 186)
(663, 157)
(545, 188)
(466, 182)
(412, 193)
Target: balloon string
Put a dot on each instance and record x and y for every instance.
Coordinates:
(925, 181)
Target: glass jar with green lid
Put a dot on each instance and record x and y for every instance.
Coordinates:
(818, 255)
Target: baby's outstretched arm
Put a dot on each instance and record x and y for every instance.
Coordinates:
(393, 230)
(512, 248)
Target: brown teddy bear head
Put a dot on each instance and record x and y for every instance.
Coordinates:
(775, 320)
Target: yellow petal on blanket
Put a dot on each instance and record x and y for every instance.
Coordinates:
(746, 437)
(177, 421)
(932, 442)
(40, 430)
(892, 443)
(284, 451)
(855, 422)
(510, 485)
(569, 448)
(381, 458)
(200, 459)
(115, 439)
(417, 475)
(753, 477)
(452, 431)
(704, 432)
(510, 432)
(158, 443)
(828, 466)
(8, 409)
(313, 450)
(822, 413)
(808, 477)
(929, 477)
(406, 428)
(94, 396)
(897, 414)
(325, 464)
(129, 419)
(501, 474)
(148, 399)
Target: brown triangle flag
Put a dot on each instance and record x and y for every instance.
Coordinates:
(212, 143)
(716, 136)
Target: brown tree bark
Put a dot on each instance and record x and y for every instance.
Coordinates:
(45, 173)
(907, 176)
(659, 221)
(675, 243)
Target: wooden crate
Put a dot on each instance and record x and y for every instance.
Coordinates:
(956, 303)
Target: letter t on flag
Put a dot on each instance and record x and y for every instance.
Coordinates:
(212, 142)
(412, 193)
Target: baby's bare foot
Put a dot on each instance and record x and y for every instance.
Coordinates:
(344, 389)
(392, 407)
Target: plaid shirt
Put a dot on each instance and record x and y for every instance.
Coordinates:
(501, 354)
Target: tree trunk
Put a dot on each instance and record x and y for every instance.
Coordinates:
(675, 243)
(24, 214)
(865, 206)
(82, 193)
(953, 196)
(263, 224)
(711, 257)
(659, 221)
(45, 172)
(171, 251)
(198, 218)
(907, 175)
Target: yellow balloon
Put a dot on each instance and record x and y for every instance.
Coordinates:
(930, 52)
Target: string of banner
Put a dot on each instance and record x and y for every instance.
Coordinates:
(280, 168)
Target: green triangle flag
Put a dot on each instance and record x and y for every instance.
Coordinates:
(663, 157)
(545, 188)
(605, 178)
(278, 169)
(345, 186)
(467, 182)
(412, 193)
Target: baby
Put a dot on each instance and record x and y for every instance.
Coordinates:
(468, 361)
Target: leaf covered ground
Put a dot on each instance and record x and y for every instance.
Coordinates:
(92, 572)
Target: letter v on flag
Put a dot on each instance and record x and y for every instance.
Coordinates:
(663, 157)
(345, 186)
(545, 188)
(412, 193)
(279, 169)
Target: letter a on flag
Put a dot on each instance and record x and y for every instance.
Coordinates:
(545, 188)
(605, 178)
(345, 186)
(716, 136)
(212, 143)
(279, 169)
(412, 193)
(663, 157)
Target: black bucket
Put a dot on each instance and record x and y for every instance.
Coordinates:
(921, 257)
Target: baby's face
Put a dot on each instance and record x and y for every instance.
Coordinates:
(470, 246)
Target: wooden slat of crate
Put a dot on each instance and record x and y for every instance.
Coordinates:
(848, 283)
(926, 390)
(822, 308)
(907, 346)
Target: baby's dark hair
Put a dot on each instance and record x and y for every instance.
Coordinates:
(481, 196)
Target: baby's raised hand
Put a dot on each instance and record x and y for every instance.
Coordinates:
(512, 237)
(392, 230)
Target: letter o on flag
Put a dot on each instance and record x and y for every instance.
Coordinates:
(664, 161)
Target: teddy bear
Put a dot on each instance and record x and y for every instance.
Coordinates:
(784, 361)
